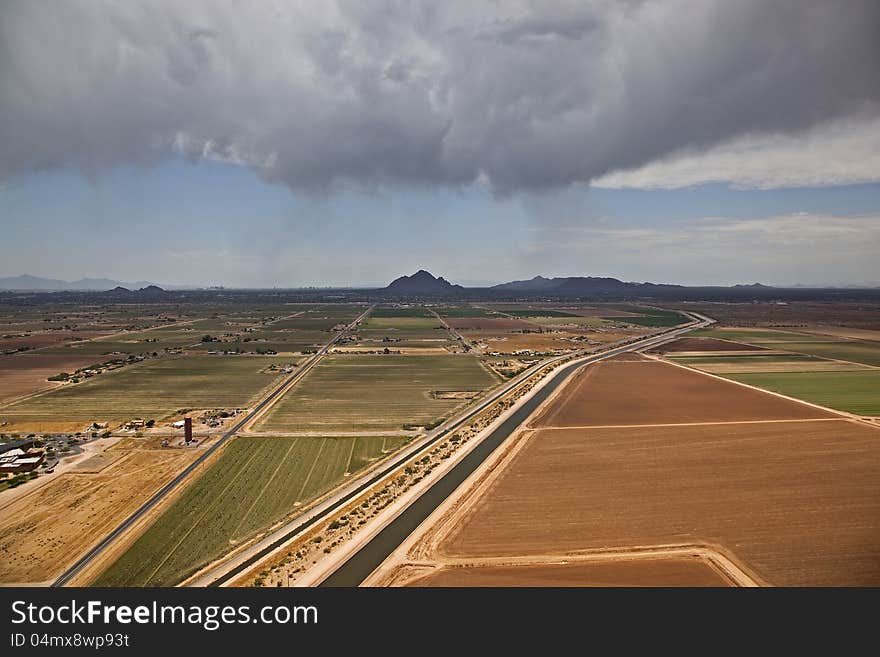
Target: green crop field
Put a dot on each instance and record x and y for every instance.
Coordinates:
(104, 347)
(745, 358)
(403, 331)
(657, 321)
(653, 317)
(538, 312)
(305, 323)
(401, 323)
(764, 363)
(286, 340)
(409, 311)
(255, 483)
(318, 319)
(465, 311)
(133, 342)
(867, 353)
(152, 390)
(580, 320)
(855, 392)
(347, 392)
(749, 335)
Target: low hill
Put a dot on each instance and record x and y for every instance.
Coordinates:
(422, 283)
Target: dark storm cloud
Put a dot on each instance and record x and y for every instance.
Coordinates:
(526, 95)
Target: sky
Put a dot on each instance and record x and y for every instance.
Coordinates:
(339, 143)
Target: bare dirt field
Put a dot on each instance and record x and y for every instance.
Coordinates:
(643, 572)
(616, 392)
(702, 344)
(22, 374)
(44, 531)
(795, 503)
(47, 339)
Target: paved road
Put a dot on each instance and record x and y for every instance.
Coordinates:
(363, 562)
(89, 556)
(458, 336)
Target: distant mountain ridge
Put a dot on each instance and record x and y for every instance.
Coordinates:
(28, 283)
(577, 285)
(422, 283)
(425, 283)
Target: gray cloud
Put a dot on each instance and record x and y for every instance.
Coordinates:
(524, 95)
(819, 249)
(836, 153)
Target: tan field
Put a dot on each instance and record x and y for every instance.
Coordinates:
(616, 392)
(45, 530)
(642, 572)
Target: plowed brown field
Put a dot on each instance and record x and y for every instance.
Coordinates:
(618, 392)
(795, 503)
(47, 339)
(642, 572)
(22, 374)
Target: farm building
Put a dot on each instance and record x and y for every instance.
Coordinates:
(24, 462)
(20, 445)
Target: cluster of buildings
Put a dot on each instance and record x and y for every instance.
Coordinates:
(20, 456)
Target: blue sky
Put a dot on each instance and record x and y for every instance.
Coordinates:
(212, 223)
